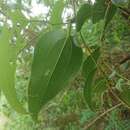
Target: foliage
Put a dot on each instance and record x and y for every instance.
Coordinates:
(74, 65)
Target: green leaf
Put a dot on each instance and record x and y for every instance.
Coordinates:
(56, 15)
(7, 71)
(95, 12)
(90, 63)
(56, 60)
(89, 69)
(88, 88)
(109, 14)
(99, 9)
(84, 13)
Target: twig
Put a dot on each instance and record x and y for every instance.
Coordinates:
(86, 127)
(47, 22)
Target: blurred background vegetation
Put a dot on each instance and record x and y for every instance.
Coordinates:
(68, 110)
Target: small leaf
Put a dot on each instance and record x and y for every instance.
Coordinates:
(56, 60)
(84, 13)
(88, 88)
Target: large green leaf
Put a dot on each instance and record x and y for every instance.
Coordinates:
(56, 60)
(7, 71)
(84, 13)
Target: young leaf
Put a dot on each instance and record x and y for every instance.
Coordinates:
(7, 71)
(56, 60)
(84, 13)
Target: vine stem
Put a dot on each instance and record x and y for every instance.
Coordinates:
(86, 127)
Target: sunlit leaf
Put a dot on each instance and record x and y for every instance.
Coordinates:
(7, 71)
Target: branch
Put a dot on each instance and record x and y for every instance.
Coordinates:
(86, 127)
(47, 22)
